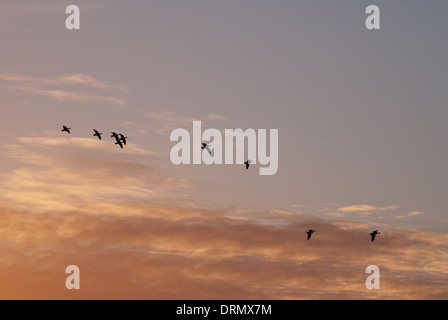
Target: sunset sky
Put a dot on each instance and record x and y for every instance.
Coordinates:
(362, 120)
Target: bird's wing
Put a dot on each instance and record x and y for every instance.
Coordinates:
(208, 149)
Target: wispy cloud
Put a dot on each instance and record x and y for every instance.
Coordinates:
(217, 117)
(166, 121)
(54, 87)
(410, 214)
(59, 172)
(365, 208)
(69, 79)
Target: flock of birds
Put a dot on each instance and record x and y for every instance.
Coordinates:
(207, 147)
(120, 139)
(372, 234)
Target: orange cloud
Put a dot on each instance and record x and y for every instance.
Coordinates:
(51, 87)
(365, 208)
(201, 254)
(136, 233)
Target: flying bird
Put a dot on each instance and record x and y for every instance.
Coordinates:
(97, 134)
(309, 232)
(247, 163)
(374, 233)
(115, 135)
(206, 147)
(64, 128)
(122, 138)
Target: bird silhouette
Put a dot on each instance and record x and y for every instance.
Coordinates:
(206, 147)
(309, 232)
(64, 128)
(374, 233)
(119, 143)
(122, 138)
(115, 135)
(247, 163)
(97, 134)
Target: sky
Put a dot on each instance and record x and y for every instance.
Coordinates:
(361, 116)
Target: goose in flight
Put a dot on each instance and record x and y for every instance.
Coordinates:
(309, 232)
(64, 128)
(374, 233)
(97, 134)
(247, 163)
(207, 147)
(122, 138)
(115, 135)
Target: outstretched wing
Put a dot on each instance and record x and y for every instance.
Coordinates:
(208, 149)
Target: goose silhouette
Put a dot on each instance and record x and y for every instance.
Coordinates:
(115, 135)
(64, 128)
(206, 147)
(122, 138)
(309, 232)
(374, 233)
(97, 134)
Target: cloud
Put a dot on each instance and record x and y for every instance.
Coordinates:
(136, 232)
(365, 209)
(217, 117)
(60, 173)
(167, 121)
(170, 252)
(52, 87)
(61, 95)
(68, 79)
(410, 214)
